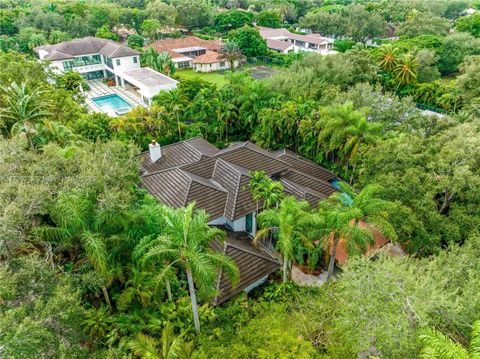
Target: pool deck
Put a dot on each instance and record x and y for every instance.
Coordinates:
(98, 89)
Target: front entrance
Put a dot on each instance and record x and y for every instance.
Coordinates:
(249, 223)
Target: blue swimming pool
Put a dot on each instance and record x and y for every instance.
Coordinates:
(113, 104)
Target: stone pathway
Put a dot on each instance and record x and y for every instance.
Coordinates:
(308, 280)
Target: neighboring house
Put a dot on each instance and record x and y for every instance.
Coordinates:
(282, 40)
(217, 180)
(97, 58)
(185, 49)
(211, 61)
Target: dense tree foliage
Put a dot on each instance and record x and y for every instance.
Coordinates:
(91, 266)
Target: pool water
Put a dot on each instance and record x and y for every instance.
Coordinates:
(113, 104)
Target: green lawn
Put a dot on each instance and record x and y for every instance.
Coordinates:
(213, 77)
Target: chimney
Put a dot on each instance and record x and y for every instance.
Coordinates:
(155, 151)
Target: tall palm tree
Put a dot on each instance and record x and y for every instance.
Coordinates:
(288, 221)
(231, 52)
(340, 218)
(256, 185)
(149, 57)
(264, 189)
(335, 224)
(175, 102)
(186, 242)
(438, 346)
(23, 110)
(164, 64)
(169, 347)
(405, 70)
(388, 57)
(272, 193)
(371, 209)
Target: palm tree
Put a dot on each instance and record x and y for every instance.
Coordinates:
(340, 218)
(371, 208)
(23, 109)
(264, 189)
(186, 242)
(388, 57)
(272, 193)
(77, 220)
(256, 185)
(438, 346)
(169, 347)
(174, 101)
(288, 221)
(164, 64)
(231, 52)
(405, 70)
(149, 57)
(335, 224)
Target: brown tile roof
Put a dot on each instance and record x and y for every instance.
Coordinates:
(210, 57)
(303, 165)
(195, 170)
(85, 46)
(278, 44)
(253, 264)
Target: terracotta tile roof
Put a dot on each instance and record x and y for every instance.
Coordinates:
(176, 45)
(342, 253)
(208, 58)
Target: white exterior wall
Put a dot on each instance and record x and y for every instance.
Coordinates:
(213, 67)
(236, 226)
(126, 63)
(221, 221)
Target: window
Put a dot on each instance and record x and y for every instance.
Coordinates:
(118, 62)
(135, 60)
(222, 64)
(67, 65)
(109, 62)
(183, 64)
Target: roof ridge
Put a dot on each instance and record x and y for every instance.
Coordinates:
(260, 255)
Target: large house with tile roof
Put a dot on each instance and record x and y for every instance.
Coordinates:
(97, 58)
(217, 180)
(193, 52)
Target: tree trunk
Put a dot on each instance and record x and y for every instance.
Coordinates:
(193, 298)
(107, 298)
(332, 259)
(169, 290)
(179, 130)
(285, 269)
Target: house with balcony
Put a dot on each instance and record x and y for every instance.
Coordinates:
(283, 41)
(217, 180)
(96, 58)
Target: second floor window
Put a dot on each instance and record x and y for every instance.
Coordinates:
(118, 62)
(135, 60)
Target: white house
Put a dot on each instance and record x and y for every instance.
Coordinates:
(97, 58)
(282, 40)
(211, 61)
